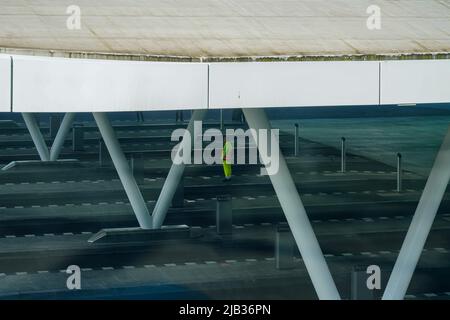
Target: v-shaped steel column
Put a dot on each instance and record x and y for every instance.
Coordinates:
(123, 170)
(420, 225)
(296, 215)
(175, 174)
(39, 141)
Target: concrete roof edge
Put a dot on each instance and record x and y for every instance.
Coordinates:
(169, 58)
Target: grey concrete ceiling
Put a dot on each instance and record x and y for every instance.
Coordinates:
(226, 28)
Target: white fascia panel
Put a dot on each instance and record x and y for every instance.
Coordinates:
(84, 85)
(294, 84)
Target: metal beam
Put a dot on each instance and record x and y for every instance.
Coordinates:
(296, 215)
(123, 170)
(420, 225)
(63, 130)
(36, 135)
(175, 175)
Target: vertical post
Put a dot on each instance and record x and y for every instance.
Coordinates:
(61, 135)
(399, 172)
(123, 170)
(224, 215)
(284, 247)
(178, 197)
(295, 213)
(55, 122)
(104, 158)
(36, 136)
(359, 289)
(343, 155)
(421, 224)
(175, 174)
(78, 138)
(221, 119)
(296, 142)
(137, 167)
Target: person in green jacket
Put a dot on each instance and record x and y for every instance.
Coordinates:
(226, 162)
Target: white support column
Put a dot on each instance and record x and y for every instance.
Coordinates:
(63, 130)
(36, 135)
(126, 176)
(174, 176)
(420, 225)
(296, 216)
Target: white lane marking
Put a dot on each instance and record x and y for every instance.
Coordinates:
(190, 263)
(21, 273)
(170, 264)
(86, 232)
(210, 262)
(107, 268)
(270, 259)
(266, 223)
(149, 266)
(42, 271)
(29, 235)
(430, 295)
(347, 254)
(129, 267)
(366, 253)
(68, 234)
(251, 260)
(86, 269)
(328, 255)
(230, 261)
(18, 207)
(10, 236)
(384, 252)
(49, 234)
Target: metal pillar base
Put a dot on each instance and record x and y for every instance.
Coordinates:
(421, 224)
(296, 215)
(123, 170)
